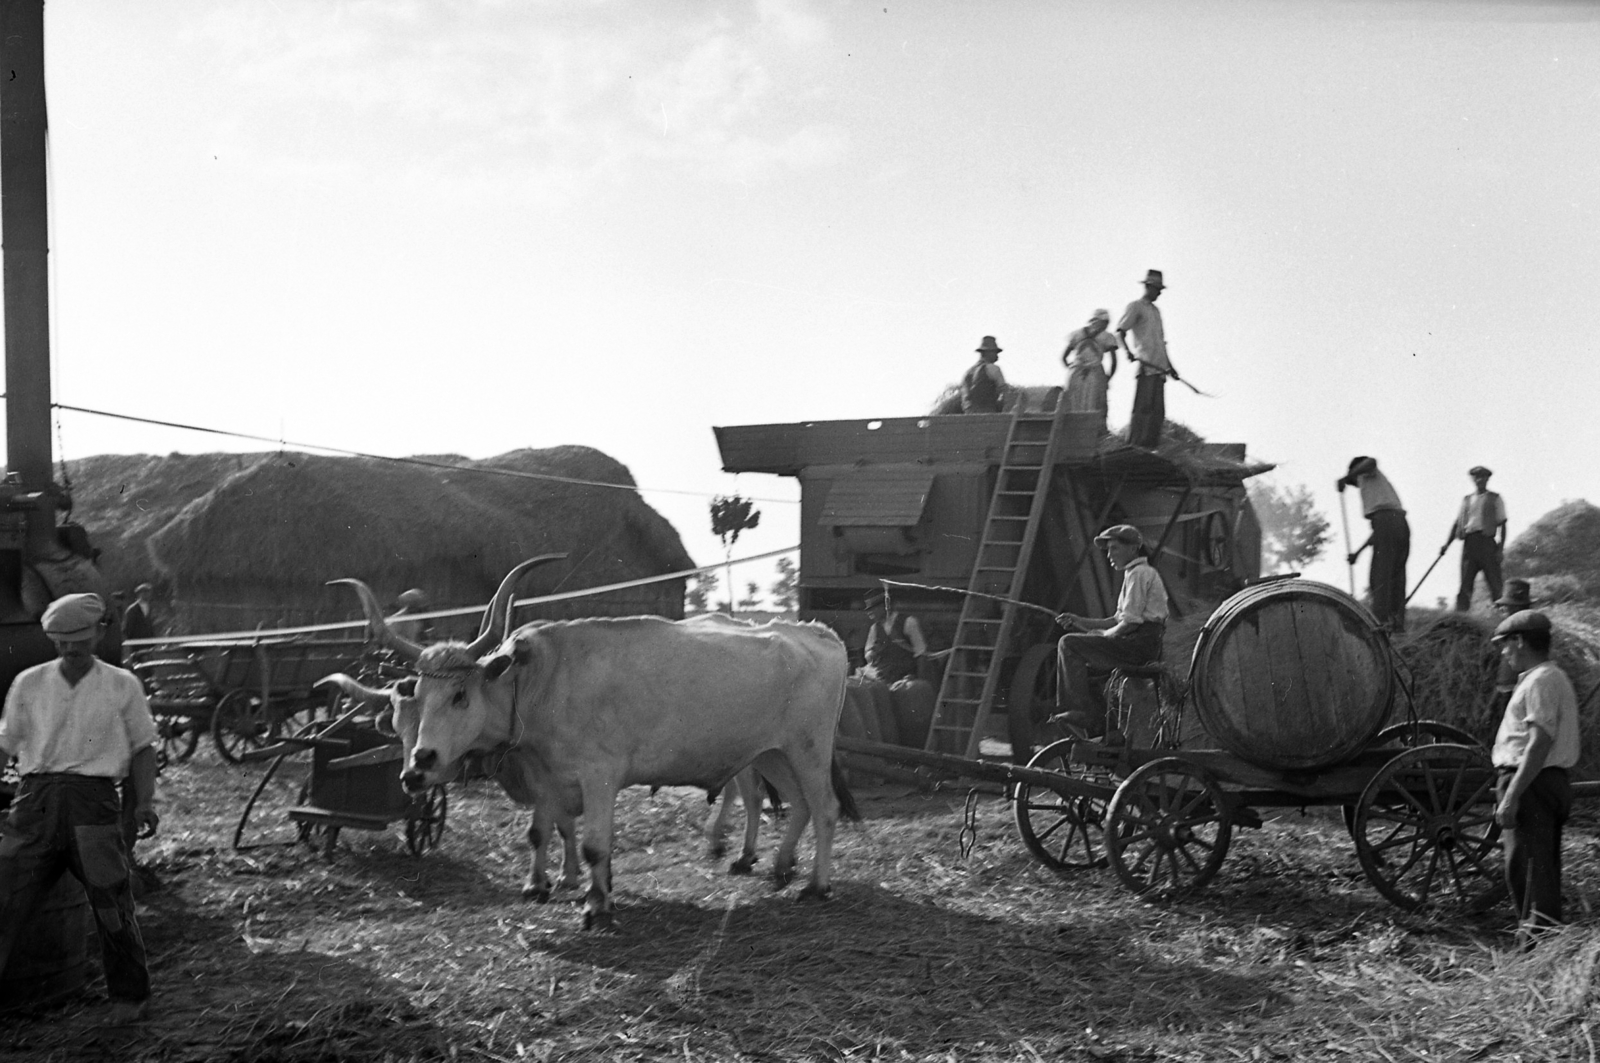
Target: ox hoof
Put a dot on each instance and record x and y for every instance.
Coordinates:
(742, 866)
(814, 892)
(536, 894)
(782, 876)
(717, 850)
(604, 922)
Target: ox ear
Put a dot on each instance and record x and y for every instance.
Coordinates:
(495, 667)
(519, 653)
(407, 687)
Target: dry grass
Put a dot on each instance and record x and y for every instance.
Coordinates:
(277, 955)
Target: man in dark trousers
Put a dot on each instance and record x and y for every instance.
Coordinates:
(77, 726)
(1144, 337)
(984, 386)
(1390, 540)
(895, 644)
(1131, 637)
(1481, 527)
(138, 622)
(1536, 746)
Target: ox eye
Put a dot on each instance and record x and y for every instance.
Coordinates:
(460, 698)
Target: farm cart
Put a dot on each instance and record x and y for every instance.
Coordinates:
(1418, 796)
(354, 782)
(246, 692)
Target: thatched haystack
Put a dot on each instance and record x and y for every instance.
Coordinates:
(240, 541)
(1560, 553)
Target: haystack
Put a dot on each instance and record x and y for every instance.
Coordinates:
(1560, 553)
(238, 541)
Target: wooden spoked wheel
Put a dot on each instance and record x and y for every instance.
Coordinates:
(178, 736)
(1409, 735)
(1167, 828)
(425, 821)
(239, 723)
(1063, 831)
(1425, 831)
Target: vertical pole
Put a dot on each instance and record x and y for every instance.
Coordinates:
(24, 216)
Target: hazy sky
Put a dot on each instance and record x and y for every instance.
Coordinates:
(474, 225)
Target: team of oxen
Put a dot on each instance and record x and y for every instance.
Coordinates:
(565, 714)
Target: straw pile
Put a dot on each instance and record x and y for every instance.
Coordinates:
(240, 540)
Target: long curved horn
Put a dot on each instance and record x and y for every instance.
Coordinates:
(379, 627)
(353, 689)
(494, 617)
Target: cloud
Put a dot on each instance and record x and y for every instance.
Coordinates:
(556, 96)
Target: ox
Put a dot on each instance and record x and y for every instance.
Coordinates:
(576, 710)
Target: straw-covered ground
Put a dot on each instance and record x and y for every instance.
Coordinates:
(276, 953)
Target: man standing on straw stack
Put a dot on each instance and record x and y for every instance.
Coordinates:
(1536, 745)
(1390, 540)
(1481, 527)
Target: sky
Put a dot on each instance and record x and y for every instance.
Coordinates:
(468, 226)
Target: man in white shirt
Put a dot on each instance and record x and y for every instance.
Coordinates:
(1390, 540)
(1535, 747)
(1131, 637)
(1481, 527)
(1144, 337)
(77, 726)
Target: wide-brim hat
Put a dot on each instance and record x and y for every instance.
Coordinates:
(989, 346)
(1154, 277)
(1525, 622)
(1479, 470)
(1518, 595)
(1121, 533)
(877, 596)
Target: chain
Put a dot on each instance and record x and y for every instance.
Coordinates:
(969, 826)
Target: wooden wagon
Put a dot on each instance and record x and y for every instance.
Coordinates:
(244, 692)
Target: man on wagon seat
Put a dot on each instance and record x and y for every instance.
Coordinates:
(894, 641)
(1131, 637)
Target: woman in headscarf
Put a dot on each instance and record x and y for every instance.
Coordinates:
(1085, 359)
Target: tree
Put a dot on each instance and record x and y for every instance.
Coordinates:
(697, 597)
(1293, 532)
(752, 595)
(730, 515)
(786, 588)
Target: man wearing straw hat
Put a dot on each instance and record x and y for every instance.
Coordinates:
(1390, 540)
(1131, 637)
(1085, 359)
(984, 386)
(1534, 749)
(1481, 527)
(895, 643)
(1144, 337)
(76, 726)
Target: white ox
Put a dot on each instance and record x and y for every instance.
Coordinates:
(576, 710)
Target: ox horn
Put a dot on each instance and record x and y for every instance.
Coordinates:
(494, 618)
(377, 625)
(354, 689)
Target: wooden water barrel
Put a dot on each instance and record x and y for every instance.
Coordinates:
(1292, 675)
(48, 959)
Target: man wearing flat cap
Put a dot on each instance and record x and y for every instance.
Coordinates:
(1481, 526)
(138, 622)
(1131, 637)
(77, 726)
(983, 387)
(1390, 540)
(1536, 746)
(1143, 335)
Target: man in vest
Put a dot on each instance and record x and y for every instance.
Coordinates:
(1390, 540)
(1131, 637)
(983, 386)
(894, 641)
(1534, 749)
(1481, 527)
(76, 726)
(1144, 337)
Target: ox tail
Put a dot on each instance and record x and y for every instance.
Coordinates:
(847, 800)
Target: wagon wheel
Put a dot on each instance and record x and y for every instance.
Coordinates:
(425, 821)
(1031, 697)
(1064, 832)
(1168, 828)
(179, 738)
(1410, 735)
(1425, 829)
(239, 723)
